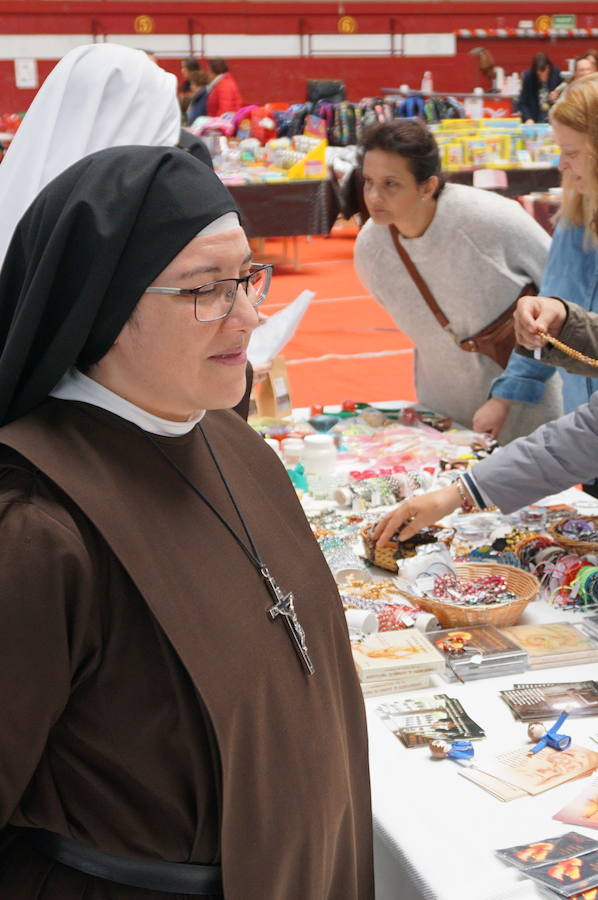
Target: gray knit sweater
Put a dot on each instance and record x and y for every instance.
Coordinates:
(479, 251)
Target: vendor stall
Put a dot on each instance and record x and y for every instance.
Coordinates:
(439, 821)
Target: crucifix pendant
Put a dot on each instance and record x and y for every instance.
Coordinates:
(285, 607)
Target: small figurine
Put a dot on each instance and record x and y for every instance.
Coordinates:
(536, 731)
(460, 751)
(552, 738)
(439, 749)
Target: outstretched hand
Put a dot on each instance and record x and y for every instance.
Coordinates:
(412, 515)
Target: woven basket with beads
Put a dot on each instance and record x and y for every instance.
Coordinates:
(523, 584)
(389, 557)
(570, 544)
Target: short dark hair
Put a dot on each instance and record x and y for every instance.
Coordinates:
(218, 66)
(411, 140)
(190, 63)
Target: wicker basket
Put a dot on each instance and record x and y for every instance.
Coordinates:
(389, 557)
(449, 615)
(570, 544)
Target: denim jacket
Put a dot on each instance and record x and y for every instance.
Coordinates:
(571, 273)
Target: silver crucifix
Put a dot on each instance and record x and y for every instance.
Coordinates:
(285, 607)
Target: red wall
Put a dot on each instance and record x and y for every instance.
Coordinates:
(284, 79)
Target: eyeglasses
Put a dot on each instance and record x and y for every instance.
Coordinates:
(216, 299)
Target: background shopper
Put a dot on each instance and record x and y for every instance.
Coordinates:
(476, 251)
(572, 267)
(538, 81)
(223, 92)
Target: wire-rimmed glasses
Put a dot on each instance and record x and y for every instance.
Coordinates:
(215, 299)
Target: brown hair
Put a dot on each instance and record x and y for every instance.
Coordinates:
(218, 66)
(578, 110)
(408, 139)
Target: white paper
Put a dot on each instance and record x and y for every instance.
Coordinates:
(26, 73)
(268, 340)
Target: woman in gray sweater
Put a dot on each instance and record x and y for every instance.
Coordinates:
(476, 251)
(557, 455)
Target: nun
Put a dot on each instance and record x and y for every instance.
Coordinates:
(181, 714)
(97, 96)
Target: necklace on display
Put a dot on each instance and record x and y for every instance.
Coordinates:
(284, 604)
(569, 351)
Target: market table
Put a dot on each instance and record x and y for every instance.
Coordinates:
(286, 210)
(435, 832)
(289, 208)
(520, 181)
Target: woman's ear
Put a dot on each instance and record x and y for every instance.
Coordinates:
(430, 187)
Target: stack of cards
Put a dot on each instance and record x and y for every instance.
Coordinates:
(567, 865)
(516, 773)
(393, 661)
(556, 644)
(418, 720)
(531, 702)
(478, 651)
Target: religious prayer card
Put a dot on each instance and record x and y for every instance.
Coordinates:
(499, 789)
(418, 720)
(554, 644)
(543, 770)
(582, 809)
(530, 702)
(569, 877)
(387, 654)
(548, 850)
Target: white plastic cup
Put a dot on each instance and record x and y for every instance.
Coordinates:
(319, 454)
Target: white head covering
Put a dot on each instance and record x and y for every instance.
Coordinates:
(97, 96)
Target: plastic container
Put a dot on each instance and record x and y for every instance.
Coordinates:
(319, 454)
(319, 462)
(292, 451)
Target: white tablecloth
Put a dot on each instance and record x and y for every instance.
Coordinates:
(435, 832)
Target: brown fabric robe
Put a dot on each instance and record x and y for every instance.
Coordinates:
(151, 708)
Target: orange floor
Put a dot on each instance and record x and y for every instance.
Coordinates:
(347, 346)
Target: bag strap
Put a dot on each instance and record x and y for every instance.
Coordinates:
(419, 282)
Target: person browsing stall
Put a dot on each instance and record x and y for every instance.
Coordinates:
(572, 267)
(181, 713)
(475, 252)
(224, 95)
(556, 456)
(538, 82)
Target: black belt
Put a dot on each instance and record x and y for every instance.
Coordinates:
(175, 878)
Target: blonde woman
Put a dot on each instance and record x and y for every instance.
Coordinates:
(572, 267)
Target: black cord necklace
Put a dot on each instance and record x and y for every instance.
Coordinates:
(284, 604)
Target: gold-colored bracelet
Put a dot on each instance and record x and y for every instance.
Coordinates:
(569, 351)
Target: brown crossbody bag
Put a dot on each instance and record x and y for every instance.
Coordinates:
(496, 340)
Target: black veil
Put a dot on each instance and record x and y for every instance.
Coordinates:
(83, 254)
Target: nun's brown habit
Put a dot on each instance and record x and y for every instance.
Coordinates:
(150, 707)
